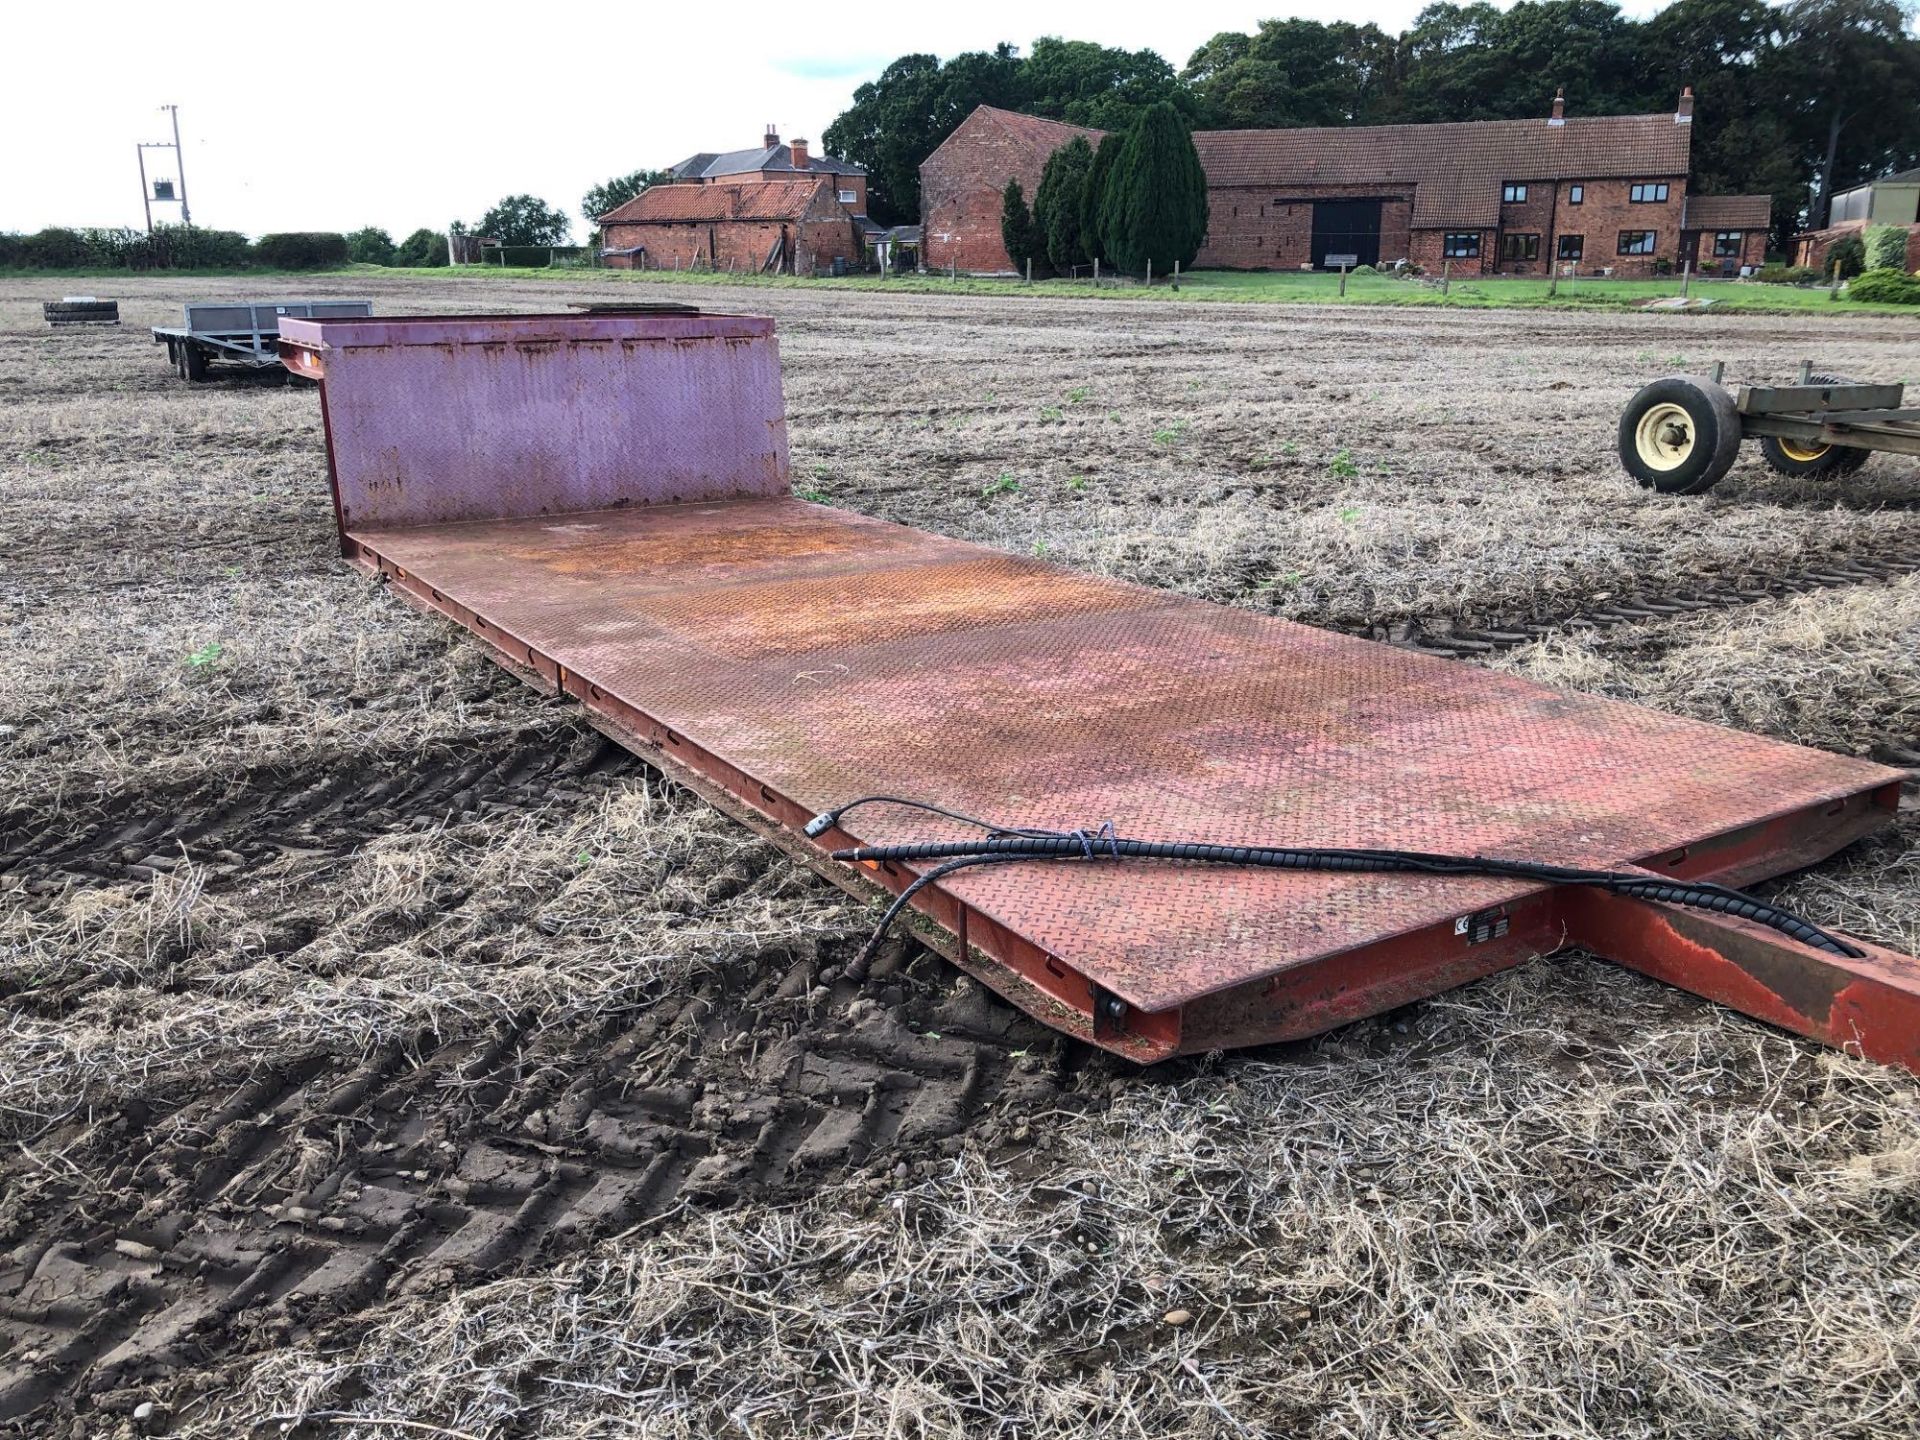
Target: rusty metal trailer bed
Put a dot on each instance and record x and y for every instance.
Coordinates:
(604, 501)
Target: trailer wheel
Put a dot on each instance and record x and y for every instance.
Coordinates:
(1846, 458)
(194, 365)
(1679, 435)
(1800, 458)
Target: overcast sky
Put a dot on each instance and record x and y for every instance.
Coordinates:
(338, 114)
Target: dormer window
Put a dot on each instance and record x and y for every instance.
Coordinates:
(1512, 194)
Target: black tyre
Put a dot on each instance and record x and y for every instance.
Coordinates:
(1846, 458)
(81, 309)
(1679, 435)
(194, 365)
(1802, 458)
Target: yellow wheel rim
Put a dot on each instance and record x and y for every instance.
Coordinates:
(1664, 437)
(1804, 454)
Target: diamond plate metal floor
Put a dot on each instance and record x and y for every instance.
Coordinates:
(827, 655)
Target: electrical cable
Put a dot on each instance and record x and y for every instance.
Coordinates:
(1007, 844)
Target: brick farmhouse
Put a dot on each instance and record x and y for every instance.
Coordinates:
(1600, 194)
(775, 207)
(775, 161)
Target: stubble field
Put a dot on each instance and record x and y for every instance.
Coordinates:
(385, 1053)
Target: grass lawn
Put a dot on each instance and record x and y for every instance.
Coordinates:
(1258, 287)
(1294, 287)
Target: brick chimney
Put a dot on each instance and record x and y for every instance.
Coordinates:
(1559, 107)
(799, 154)
(1684, 115)
(773, 138)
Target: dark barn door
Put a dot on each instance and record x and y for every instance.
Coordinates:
(1346, 227)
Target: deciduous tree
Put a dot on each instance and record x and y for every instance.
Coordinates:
(524, 220)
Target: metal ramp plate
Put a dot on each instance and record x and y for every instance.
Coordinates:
(787, 657)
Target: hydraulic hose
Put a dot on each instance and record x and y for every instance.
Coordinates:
(1014, 844)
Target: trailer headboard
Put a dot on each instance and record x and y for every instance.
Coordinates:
(434, 418)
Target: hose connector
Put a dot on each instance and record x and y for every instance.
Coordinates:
(821, 823)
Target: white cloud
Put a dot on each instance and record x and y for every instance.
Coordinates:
(344, 114)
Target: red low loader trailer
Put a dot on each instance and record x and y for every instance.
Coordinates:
(603, 501)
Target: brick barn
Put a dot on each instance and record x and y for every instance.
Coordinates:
(795, 225)
(962, 181)
(1599, 194)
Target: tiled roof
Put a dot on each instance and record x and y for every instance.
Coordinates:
(1036, 131)
(710, 166)
(1454, 170)
(724, 200)
(1728, 212)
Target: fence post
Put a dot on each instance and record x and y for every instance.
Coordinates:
(1686, 278)
(1096, 272)
(1029, 270)
(1833, 290)
(1446, 276)
(1149, 274)
(1343, 282)
(1176, 275)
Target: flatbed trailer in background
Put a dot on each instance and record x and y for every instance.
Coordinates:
(605, 502)
(241, 332)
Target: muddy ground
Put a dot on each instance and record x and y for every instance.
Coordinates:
(385, 1053)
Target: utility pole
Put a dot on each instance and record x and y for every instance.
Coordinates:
(179, 171)
(179, 164)
(146, 195)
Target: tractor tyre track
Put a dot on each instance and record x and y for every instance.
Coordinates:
(322, 1187)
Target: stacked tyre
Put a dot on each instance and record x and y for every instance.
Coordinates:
(81, 310)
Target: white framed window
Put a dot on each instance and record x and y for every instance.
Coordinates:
(849, 197)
